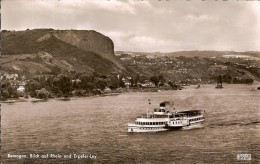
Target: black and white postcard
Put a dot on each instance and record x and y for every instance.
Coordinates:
(130, 81)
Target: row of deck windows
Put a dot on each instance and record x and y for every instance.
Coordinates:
(196, 119)
(192, 115)
(177, 122)
(151, 123)
(159, 116)
(163, 123)
(154, 116)
(150, 128)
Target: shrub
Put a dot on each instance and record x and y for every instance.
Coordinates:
(32, 94)
(26, 96)
(42, 94)
(16, 95)
(5, 95)
(59, 94)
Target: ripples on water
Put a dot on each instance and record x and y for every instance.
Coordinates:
(99, 126)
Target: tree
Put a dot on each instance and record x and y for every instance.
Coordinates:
(55, 70)
(136, 80)
(42, 94)
(5, 95)
(121, 83)
(114, 81)
(162, 80)
(171, 84)
(12, 91)
(155, 80)
(63, 83)
(87, 82)
(75, 85)
(174, 86)
(5, 85)
(15, 95)
(32, 86)
(95, 74)
(132, 81)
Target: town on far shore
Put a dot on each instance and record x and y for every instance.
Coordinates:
(148, 73)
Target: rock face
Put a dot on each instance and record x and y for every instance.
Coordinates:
(83, 50)
(90, 41)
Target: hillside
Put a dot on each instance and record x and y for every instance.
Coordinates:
(247, 54)
(235, 67)
(47, 50)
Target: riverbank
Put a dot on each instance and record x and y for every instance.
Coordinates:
(35, 100)
(253, 87)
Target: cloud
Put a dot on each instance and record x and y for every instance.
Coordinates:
(255, 6)
(145, 43)
(113, 6)
(137, 25)
(200, 18)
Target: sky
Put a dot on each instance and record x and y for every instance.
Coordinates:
(146, 26)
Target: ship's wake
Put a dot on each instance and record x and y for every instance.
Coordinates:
(234, 124)
(193, 127)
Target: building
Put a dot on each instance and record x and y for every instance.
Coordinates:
(21, 89)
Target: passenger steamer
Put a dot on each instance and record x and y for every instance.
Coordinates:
(163, 120)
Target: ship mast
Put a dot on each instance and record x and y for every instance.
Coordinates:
(172, 105)
(148, 107)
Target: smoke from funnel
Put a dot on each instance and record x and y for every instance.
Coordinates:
(170, 103)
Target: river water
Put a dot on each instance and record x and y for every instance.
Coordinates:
(98, 126)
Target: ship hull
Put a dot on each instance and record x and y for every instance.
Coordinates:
(138, 128)
(193, 126)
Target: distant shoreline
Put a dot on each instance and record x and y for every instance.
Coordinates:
(154, 89)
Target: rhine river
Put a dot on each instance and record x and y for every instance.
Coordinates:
(98, 126)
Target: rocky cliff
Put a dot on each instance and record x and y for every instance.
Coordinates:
(90, 41)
